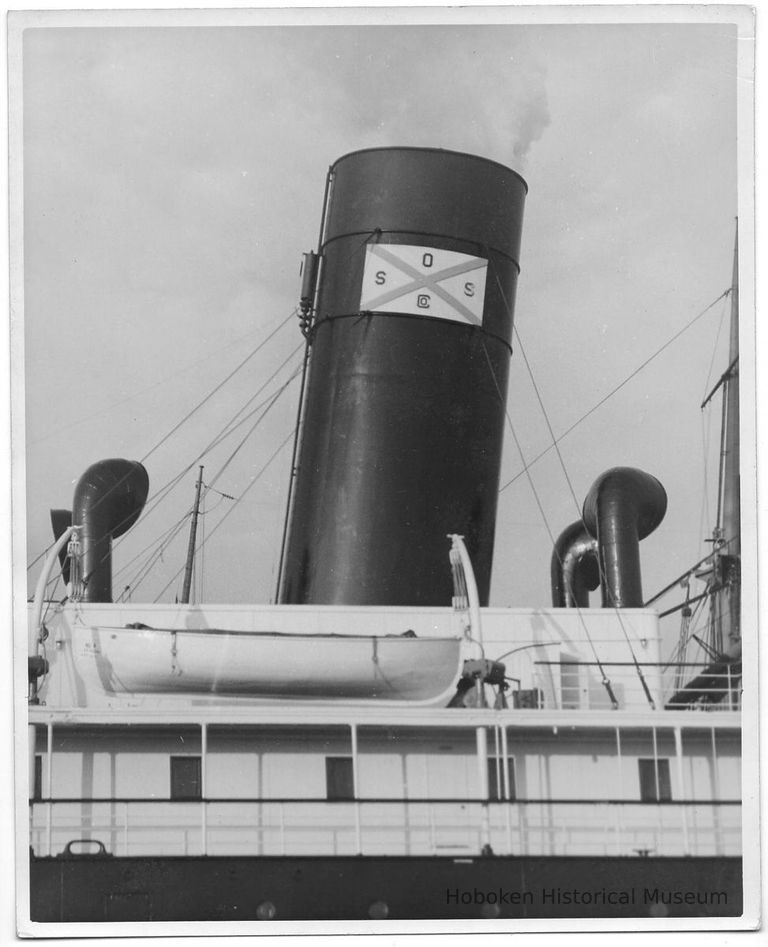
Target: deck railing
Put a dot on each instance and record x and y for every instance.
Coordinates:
(577, 685)
(451, 827)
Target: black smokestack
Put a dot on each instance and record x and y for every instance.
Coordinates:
(405, 402)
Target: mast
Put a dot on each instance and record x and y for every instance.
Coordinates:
(721, 678)
(191, 547)
(730, 557)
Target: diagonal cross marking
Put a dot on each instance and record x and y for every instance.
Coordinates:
(426, 281)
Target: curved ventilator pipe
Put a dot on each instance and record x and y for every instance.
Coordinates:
(574, 570)
(109, 498)
(624, 506)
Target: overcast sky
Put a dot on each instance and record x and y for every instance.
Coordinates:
(173, 177)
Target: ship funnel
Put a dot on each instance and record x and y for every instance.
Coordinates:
(624, 506)
(109, 498)
(574, 571)
(403, 415)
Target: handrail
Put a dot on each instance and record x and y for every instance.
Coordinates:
(453, 800)
(649, 664)
(425, 827)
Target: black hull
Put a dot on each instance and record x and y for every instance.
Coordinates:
(97, 889)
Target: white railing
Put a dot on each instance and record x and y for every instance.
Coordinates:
(384, 827)
(578, 685)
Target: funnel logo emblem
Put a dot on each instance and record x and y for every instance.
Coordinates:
(424, 281)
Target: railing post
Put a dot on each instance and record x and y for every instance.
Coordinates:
(716, 796)
(358, 830)
(432, 833)
(481, 736)
(680, 779)
(203, 788)
(620, 778)
(355, 791)
(522, 827)
(125, 828)
(31, 748)
(506, 788)
(505, 758)
(49, 791)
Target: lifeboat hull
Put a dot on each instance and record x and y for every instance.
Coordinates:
(387, 668)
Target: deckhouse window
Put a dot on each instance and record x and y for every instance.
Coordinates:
(186, 779)
(655, 784)
(496, 778)
(339, 778)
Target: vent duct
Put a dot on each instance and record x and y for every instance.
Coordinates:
(624, 506)
(109, 498)
(575, 571)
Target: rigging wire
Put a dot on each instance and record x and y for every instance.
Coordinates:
(224, 496)
(150, 545)
(568, 480)
(680, 649)
(705, 517)
(607, 590)
(554, 445)
(229, 429)
(197, 407)
(254, 480)
(157, 556)
(170, 485)
(42, 555)
(502, 488)
(618, 387)
(685, 630)
(605, 680)
(705, 514)
(236, 421)
(135, 394)
(723, 311)
(210, 394)
(272, 401)
(256, 423)
(721, 470)
(218, 387)
(679, 579)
